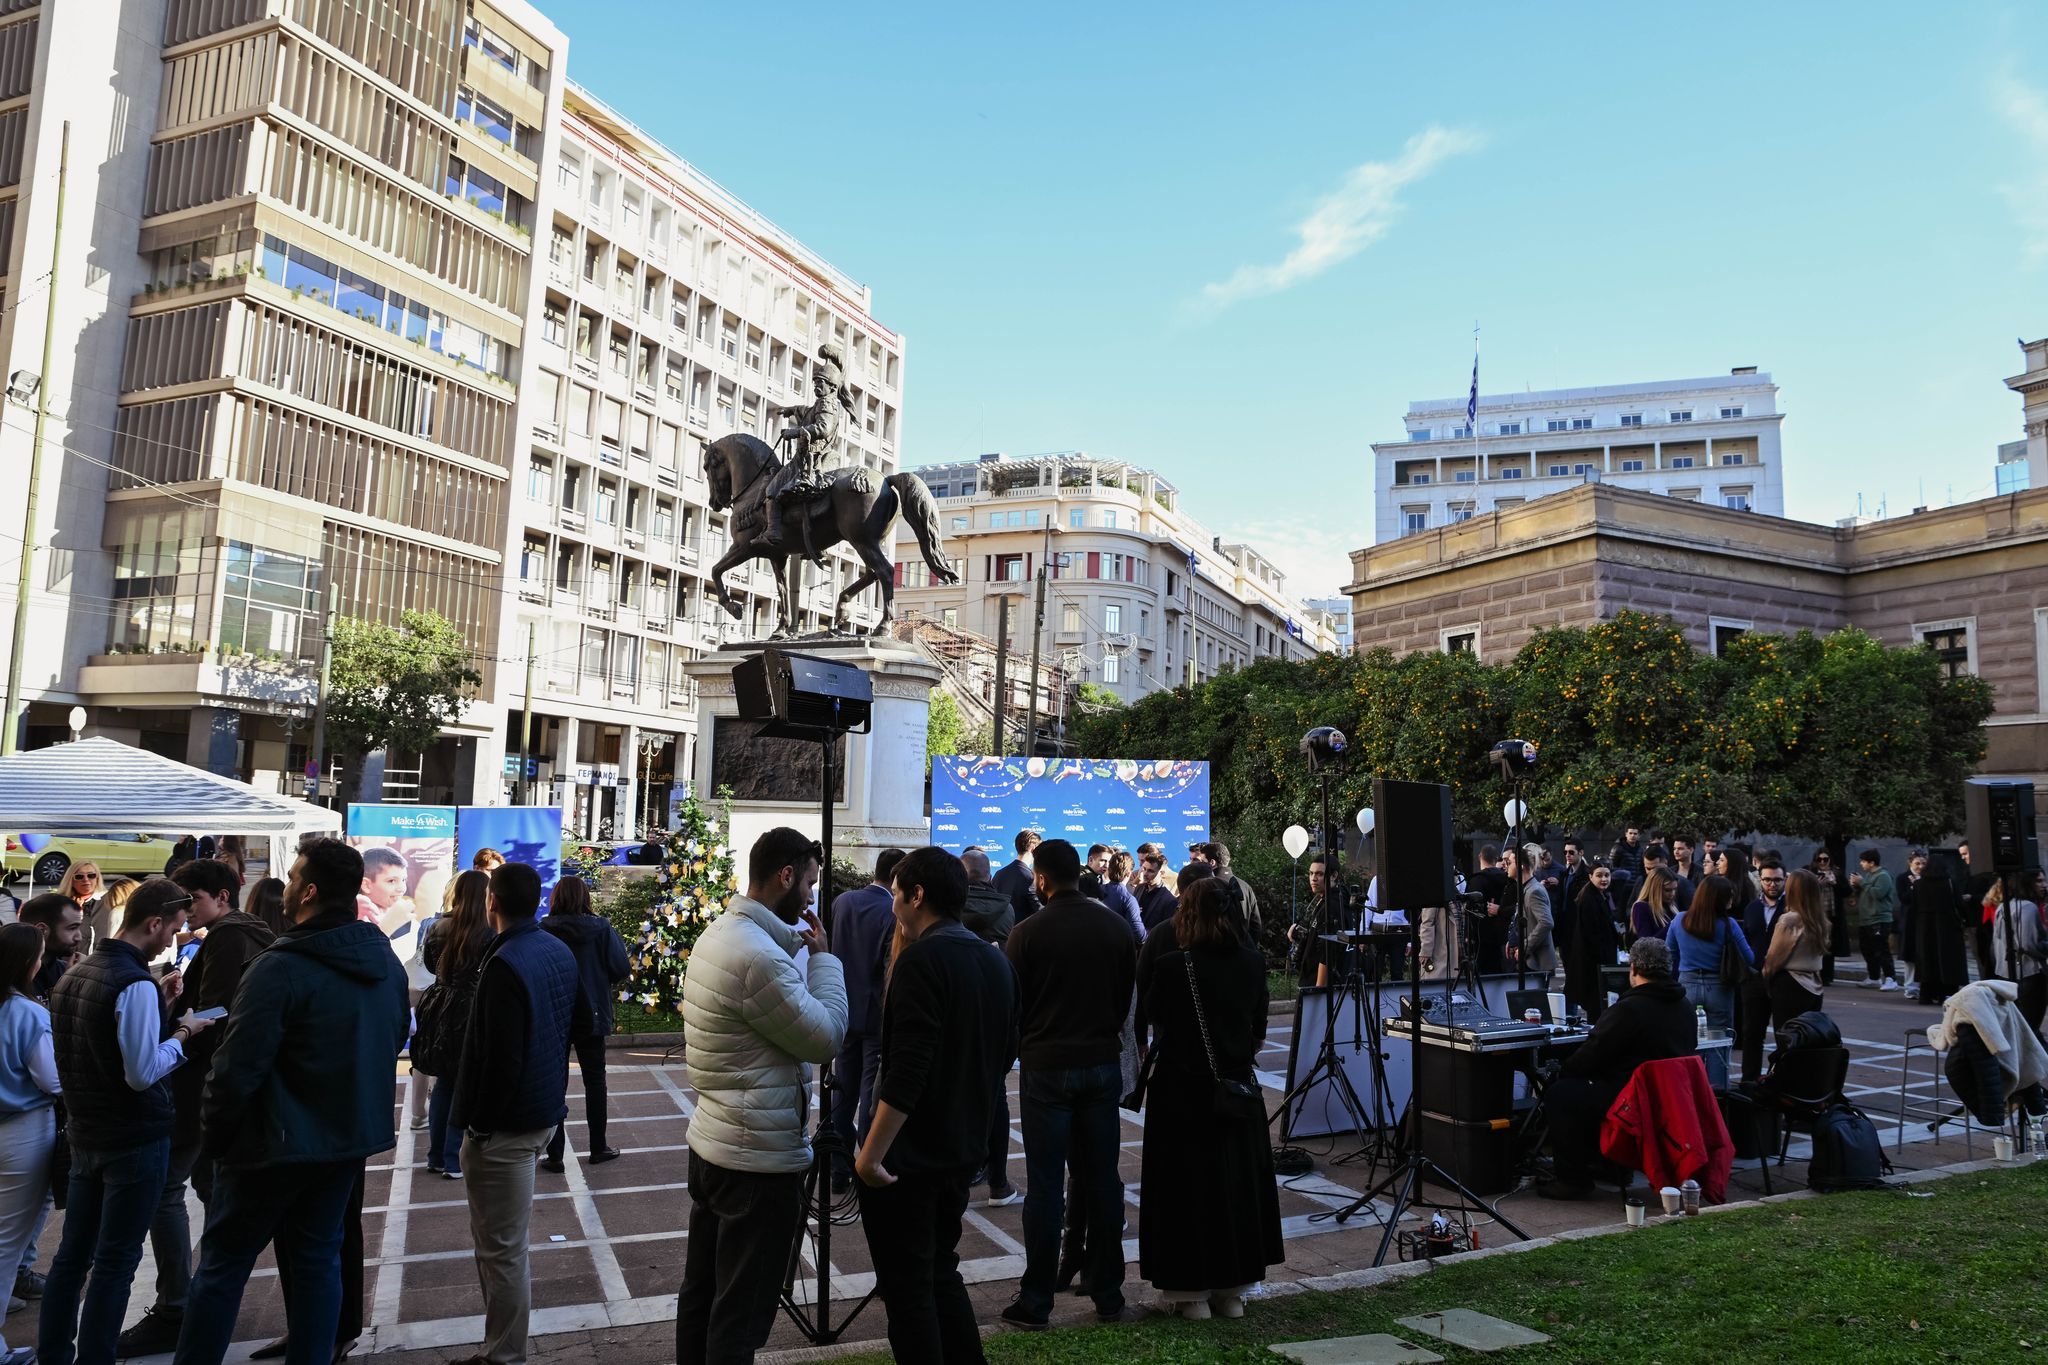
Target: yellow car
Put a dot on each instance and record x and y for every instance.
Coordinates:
(135, 855)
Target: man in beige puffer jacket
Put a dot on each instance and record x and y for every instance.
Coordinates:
(751, 1022)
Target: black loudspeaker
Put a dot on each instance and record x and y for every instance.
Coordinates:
(1412, 832)
(803, 691)
(1999, 820)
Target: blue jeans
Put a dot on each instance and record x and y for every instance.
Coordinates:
(1705, 988)
(301, 1207)
(444, 1147)
(853, 1098)
(111, 1200)
(1070, 1122)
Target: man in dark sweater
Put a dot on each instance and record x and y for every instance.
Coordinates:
(509, 1094)
(211, 978)
(1650, 1022)
(948, 1032)
(1077, 963)
(1015, 880)
(107, 1028)
(861, 927)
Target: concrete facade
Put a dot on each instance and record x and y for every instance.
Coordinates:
(1970, 580)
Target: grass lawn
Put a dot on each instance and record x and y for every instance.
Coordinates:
(1960, 1275)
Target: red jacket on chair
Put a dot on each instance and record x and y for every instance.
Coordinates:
(1667, 1124)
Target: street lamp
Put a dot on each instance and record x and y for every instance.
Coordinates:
(77, 719)
(650, 745)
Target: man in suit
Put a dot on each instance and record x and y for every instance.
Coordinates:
(1016, 878)
(1755, 1004)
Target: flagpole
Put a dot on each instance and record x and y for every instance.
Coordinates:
(1472, 417)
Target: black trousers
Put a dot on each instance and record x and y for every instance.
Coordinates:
(1753, 1003)
(741, 1227)
(2034, 1000)
(589, 1061)
(350, 1325)
(1576, 1106)
(1789, 1000)
(913, 1231)
(1877, 951)
(996, 1167)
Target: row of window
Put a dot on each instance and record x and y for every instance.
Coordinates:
(1077, 518)
(1627, 419)
(1414, 519)
(313, 277)
(1557, 470)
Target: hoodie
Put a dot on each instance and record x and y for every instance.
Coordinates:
(601, 964)
(303, 1071)
(989, 913)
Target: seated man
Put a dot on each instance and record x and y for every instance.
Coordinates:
(1651, 1021)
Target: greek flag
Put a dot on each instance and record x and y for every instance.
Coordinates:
(1472, 403)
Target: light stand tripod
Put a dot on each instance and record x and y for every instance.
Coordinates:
(1517, 927)
(816, 1324)
(1342, 980)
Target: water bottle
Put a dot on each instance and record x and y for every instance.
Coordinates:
(2037, 1135)
(1699, 1015)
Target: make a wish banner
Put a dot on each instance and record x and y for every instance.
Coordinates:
(1120, 802)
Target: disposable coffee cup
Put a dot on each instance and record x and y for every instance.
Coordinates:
(1671, 1197)
(1636, 1212)
(2001, 1147)
(1689, 1195)
(1557, 1010)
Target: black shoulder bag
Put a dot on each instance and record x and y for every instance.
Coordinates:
(1237, 1101)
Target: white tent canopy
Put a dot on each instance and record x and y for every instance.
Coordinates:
(101, 786)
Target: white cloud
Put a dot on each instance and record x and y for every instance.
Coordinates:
(1316, 560)
(1349, 219)
(2026, 109)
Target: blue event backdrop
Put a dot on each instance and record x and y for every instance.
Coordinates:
(1120, 802)
(524, 834)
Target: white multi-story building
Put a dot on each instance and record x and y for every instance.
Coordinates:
(1337, 611)
(2032, 387)
(1140, 596)
(1711, 440)
(671, 314)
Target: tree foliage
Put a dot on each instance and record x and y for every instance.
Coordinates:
(944, 729)
(396, 688)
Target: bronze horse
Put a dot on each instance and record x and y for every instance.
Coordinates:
(738, 468)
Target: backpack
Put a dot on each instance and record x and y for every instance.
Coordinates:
(1809, 1030)
(440, 1023)
(1847, 1154)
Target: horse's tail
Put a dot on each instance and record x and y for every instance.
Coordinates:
(921, 514)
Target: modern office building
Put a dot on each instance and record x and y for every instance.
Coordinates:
(1337, 612)
(1713, 441)
(2032, 387)
(1140, 596)
(306, 351)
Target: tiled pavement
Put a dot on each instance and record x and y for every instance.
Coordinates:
(608, 1241)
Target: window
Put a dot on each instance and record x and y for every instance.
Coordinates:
(1631, 466)
(1077, 519)
(1582, 469)
(1582, 424)
(1420, 434)
(1112, 668)
(1680, 462)
(664, 521)
(1010, 568)
(1464, 476)
(1735, 499)
(1954, 644)
(1031, 516)
(554, 324)
(1461, 511)
(1417, 477)
(1461, 433)
(1556, 424)
(1558, 470)
(1731, 412)
(1112, 619)
(949, 617)
(1109, 518)
(1684, 415)
(959, 523)
(607, 503)
(491, 45)
(269, 601)
(1460, 639)
(1721, 633)
(1736, 458)
(1631, 419)
(1070, 619)
(1415, 519)
(488, 118)
(540, 482)
(1511, 428)
(1512, 472)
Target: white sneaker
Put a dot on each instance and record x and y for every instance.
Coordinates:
(1865, 984)
(1889, 985)
(1912, 990)
(1229, 1305)
(1196, 1310)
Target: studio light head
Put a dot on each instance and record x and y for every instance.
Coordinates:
(1322, 746)
(1515, 758)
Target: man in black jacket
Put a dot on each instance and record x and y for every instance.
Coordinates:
(990, 917)
(1077, 964)
(1016, 880)
(1651, 1021)
(949, 1028)
(510, 1093)
(211, 979)
(63, 928)
(299, 1097)
(1754, 1014)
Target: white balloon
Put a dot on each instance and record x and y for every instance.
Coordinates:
(1515, 812)
(1295, 840)
(1366, 821)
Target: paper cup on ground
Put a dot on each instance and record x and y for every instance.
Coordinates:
(1671, 1197)
(1636, 1213)
(2001, 1147)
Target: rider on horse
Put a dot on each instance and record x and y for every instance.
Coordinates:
(813, 442)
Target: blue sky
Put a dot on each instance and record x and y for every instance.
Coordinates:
(1233, 243)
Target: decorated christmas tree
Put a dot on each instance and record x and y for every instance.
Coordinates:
(694, 882)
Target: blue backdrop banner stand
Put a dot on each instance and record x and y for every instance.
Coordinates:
(524, 834)
(402, 896)
(1119, 802)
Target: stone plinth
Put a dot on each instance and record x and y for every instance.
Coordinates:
(880, 779)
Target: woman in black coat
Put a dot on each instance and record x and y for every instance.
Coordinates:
(1208, 1210)
(1592, 942)
(601, 964)
(1938, 935)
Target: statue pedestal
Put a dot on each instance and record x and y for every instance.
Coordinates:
(879, 776)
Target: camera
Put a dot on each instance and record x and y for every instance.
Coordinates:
(1323, 746)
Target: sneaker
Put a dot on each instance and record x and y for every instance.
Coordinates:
(608, 1154)
(451, 1175)
(1017, 1315)
(1228, 1305)
(1865, 984)
(28, 1284)
(1001, 1196)
(1194, 1310)
(436, 1170)
(1912, 990)
(419, 1125)
(156, 1333)
(553, 1165)
(1889, 985)
(20, 1355)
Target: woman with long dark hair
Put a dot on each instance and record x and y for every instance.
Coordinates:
(266, 902)
(601, 964)
(1209, 1214)
(453, 949)
(1593, 942)
(1799, 942)
(1698, 940)
(28, 1090)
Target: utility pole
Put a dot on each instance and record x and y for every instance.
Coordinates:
(319, 763)
(1002, 668)
(526, 725)
(1037, 636)
(10, 738)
